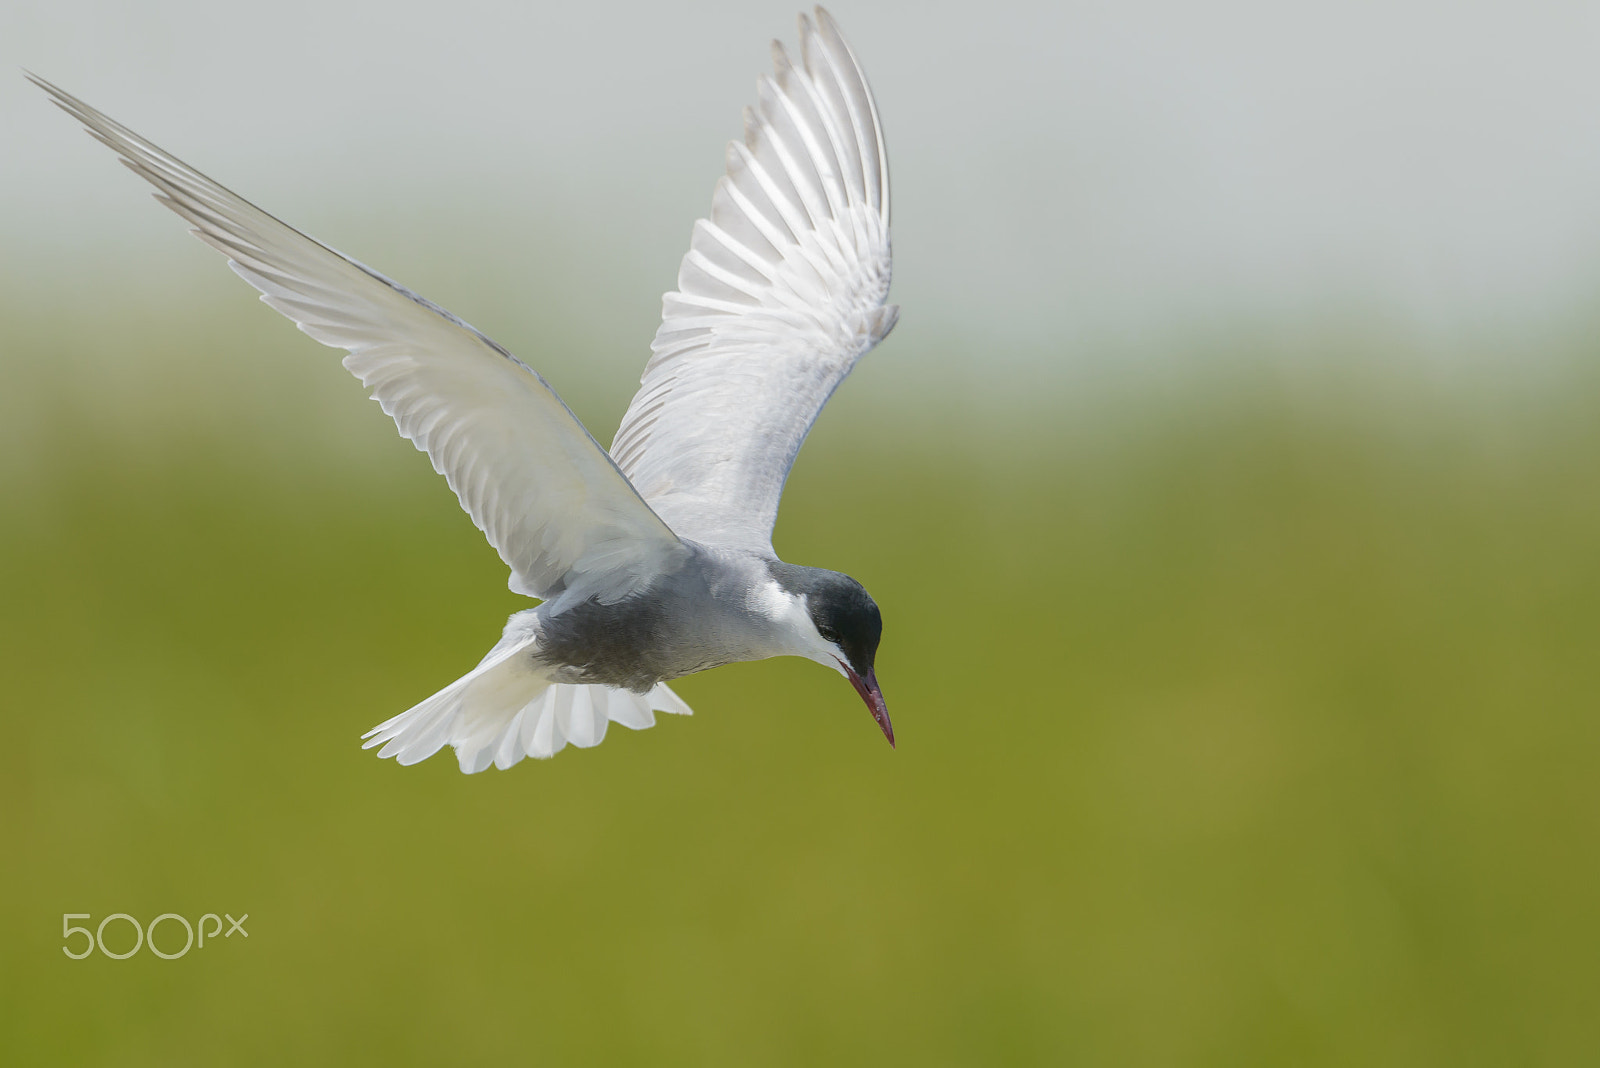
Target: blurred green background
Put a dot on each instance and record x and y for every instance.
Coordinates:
(1242, 654)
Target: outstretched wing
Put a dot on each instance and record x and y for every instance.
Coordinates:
(782, 291)
(549, 498)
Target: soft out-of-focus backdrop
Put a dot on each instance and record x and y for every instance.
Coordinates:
(1231, 487)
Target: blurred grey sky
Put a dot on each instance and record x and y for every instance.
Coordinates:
(1065, 173)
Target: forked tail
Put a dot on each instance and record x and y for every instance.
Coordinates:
(503, 710)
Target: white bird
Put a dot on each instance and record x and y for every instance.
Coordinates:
(654, 560)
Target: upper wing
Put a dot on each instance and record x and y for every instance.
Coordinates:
(549, 498)
(782, 291)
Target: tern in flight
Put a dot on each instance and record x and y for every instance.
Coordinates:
(654, 560)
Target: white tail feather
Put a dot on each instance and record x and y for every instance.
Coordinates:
(504, 710)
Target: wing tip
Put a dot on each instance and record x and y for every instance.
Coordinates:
(42, 82)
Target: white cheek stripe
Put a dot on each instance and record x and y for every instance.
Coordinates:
(792, 620)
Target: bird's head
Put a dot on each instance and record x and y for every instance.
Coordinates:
(842, 626)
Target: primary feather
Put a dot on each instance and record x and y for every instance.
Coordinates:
(781, 292)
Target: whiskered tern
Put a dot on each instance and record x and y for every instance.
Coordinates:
(655, 560)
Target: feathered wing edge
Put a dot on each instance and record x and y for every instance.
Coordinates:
(781, 292)
(545, 493)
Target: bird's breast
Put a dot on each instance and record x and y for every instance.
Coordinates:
(685, 623)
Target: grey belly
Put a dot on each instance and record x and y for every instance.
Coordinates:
(633, 644)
